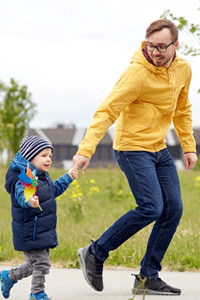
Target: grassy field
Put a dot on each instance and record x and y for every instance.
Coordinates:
(92, 204)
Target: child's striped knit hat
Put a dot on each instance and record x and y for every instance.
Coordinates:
(30, 146)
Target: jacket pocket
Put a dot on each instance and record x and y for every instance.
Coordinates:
(34, 228)
(138, 116)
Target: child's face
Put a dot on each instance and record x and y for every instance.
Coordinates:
(42, 161)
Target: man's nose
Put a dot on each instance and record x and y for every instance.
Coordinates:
(155, 49)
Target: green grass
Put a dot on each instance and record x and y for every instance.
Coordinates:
(92, 204)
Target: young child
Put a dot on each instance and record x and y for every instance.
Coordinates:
(33, 221)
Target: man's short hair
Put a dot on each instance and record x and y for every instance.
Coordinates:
(159, 25)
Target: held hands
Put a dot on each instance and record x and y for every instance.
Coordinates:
(80, 160)
(73, 173)
(190, 160)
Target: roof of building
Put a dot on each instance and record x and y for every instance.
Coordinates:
(73, 136)
(67, 136)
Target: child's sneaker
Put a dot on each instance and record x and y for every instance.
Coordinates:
(6, 284)
(41, 295)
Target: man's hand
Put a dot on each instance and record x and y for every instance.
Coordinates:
(80, 160)
(34, 201)
(190, 160)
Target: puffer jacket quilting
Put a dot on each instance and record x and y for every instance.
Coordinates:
(32, 228)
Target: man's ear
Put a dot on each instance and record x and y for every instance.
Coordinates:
(176, 44)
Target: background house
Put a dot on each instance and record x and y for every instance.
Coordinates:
(66, 139)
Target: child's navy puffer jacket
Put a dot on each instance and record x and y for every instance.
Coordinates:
(32, 228)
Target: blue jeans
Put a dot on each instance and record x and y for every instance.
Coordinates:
(154, 182)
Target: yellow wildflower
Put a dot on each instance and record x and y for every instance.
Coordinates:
(198, 181)
(93, 190)
(92, 181)
(120, 192)
(74, 182)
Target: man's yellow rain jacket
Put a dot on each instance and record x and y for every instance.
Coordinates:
(145, 101)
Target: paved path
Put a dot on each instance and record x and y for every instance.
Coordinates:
(68, 284)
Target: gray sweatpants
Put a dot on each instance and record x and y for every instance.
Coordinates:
(38, 265)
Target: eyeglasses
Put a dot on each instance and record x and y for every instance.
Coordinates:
(160, 48)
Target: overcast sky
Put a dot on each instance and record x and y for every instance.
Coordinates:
(70, 53)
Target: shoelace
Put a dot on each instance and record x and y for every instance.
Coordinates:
(151, 280)
(40, 295)
(6, 285)
(98, 265)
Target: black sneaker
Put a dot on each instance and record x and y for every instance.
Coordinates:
(92, 268)
(153, 287)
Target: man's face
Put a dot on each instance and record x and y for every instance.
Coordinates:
(162, 38)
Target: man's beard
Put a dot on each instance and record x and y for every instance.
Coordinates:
(160, 60)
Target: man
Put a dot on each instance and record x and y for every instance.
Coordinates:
(151, 93)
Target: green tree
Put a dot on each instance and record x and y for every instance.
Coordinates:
(16, 111)
(1, 141)
(193, 30)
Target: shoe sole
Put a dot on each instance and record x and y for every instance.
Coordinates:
(83, 266)
(136, 291)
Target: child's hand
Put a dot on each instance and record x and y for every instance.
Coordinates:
(34, 201)
(73, 173)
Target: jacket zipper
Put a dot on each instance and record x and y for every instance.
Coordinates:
(54, 205)
(34, 228)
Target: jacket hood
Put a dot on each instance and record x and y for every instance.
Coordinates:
(139, 58)
(18, 164)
